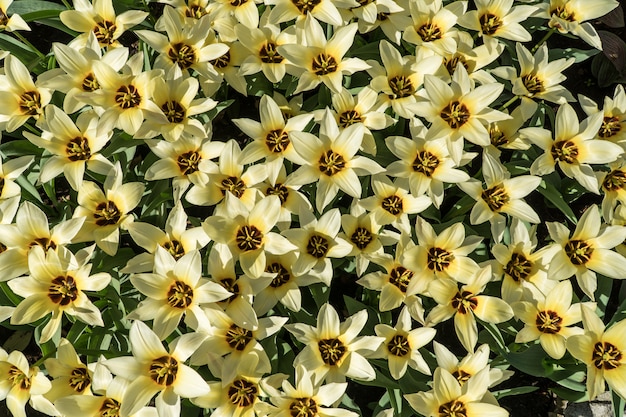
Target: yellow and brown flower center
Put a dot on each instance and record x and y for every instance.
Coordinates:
(182, 55)
(611, 126)
(17, 378)
(519, 267)
(30, 103)
(90, 83)
(454, 408)
(280, 190)
(438, 259)
(496, 136)
(455, 114)
(401, 86)
(399, 345)
(425, 163)
(349, 117)
(63, 290)
(305, 6)
(393, 205)
(110, 408)
(452, 62)
(221, 62)
(331, 163)
(324, 64)
(106, 214)
(163, 370)
(248, 238)
(78, 149)
(303, 407)
(565, 150)
(127, 97)
(269, 54)
(548, 322)
(175, 248)
(195, 11)
(188, 162)
(461, 376)
(562, 13)
(400, 277)
(331, 350)
(1, 185)
(282, 274)
(105, 31)
(496, 197)
(242, 392)
(578, 251)
(238, 337)
(4, 19)
(317, 246)
(235, 185)
(382, 16)
(614, 180)
(489, 23)
(277, 141)
(606, 356)
(361, 237)
(79, 379)
(231, 286)
(464, 301)
(533, 84)
(180, 295)
(44, 242)
(174, 111)
(3, 247)
(429, 32)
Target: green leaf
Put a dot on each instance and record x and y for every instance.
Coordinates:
(529, 361)
(579, 55)
(553, 195)
(32, 6)
(513, 391)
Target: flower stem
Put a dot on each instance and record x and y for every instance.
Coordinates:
(543, 40)
(508, 103)
(30, 45)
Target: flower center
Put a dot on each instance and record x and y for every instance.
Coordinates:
(107, 213)
(454, 408)
(174, 112)
(400, 277)
(3, 247)
(248, 238)
(455, 114)
(453, 61)
(175, 248)
(231, 286)
(392, 204)
(18, 378)
(242, 393)
(303, 407)
(277, 141)
(361, 237)
(188, 162)
(349, 117)
(533, 84)
(399, 345)
(318, 246)
(182, 55)
(305, 6)
(104, 31)
(606, 356)
(282, 274)
(63, 290)
(489, 23)
(79, 379)
(44, 242)
(90, 83)
(78, 149)
(562, 13)
(614, 181)
(401, 86)
(439, 259)
(564, 150)
(425, 163)
(382, 16)
(519, 268)
(4, 19)
(269, 55)
(238, 337)
(163, 370)
(461, 376)
(180, 295)
(195, 11)
(331, 163)
(332, 350)
(127, 96)
(578, 251)
(109, 408)
(548, 322)
(496, 136)
(280, 190)
(429, 32)
(611, 126)
(464, 301)
(496, 197)
(30, 103)
(221, 62)
(235, 185)
(324, 64)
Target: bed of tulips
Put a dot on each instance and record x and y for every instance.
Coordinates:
(302, 208)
